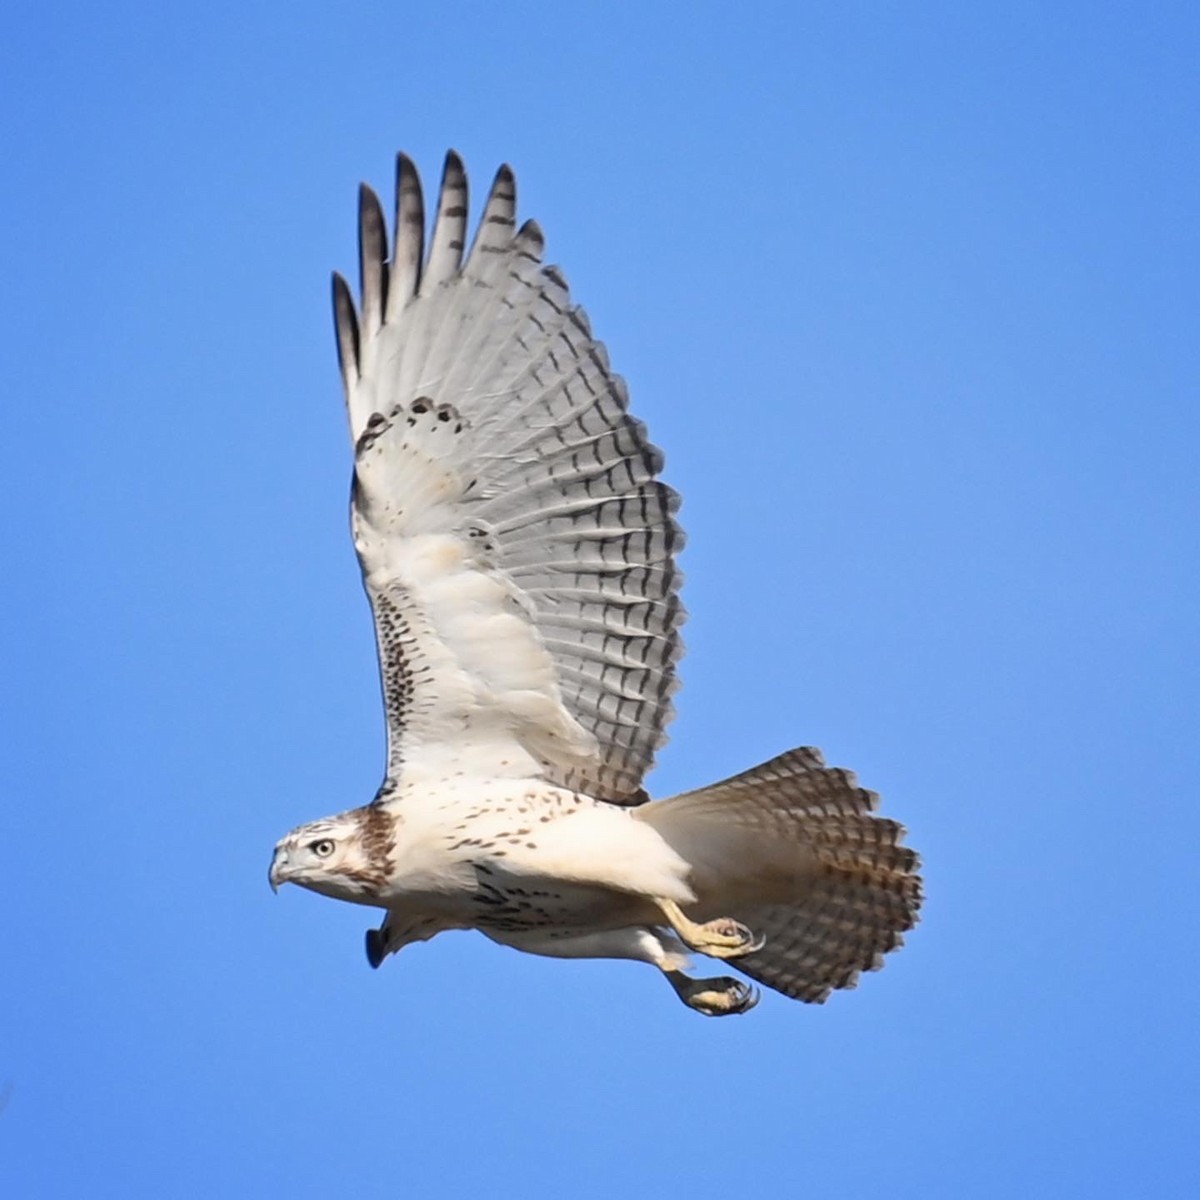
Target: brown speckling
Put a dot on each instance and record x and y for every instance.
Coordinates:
(377, 831)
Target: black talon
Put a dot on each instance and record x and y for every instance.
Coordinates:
(376, 947)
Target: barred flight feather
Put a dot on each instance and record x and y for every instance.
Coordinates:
(547, 486)
(794, 850)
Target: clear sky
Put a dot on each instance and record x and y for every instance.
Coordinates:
(909, 295)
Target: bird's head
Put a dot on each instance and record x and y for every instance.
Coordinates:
(344, 856)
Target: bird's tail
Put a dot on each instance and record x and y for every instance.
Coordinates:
(793, 850)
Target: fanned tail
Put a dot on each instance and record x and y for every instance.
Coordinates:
(794, 850)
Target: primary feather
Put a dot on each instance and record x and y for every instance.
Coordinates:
(507, 510)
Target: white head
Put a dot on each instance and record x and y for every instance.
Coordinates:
(346, 857)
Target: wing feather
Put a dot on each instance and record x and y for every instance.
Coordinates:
(449, 228)
(372, 261)
(345, 321)
(410, 238)
(517, 545)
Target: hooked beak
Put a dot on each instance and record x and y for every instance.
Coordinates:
(279, 869)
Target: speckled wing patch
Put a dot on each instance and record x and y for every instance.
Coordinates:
(559, 493)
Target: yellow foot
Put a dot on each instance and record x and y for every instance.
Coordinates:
(720, 997)
(721, 938)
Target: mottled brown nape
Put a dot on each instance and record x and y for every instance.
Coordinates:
(377, 827)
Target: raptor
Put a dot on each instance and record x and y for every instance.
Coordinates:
(519, 552)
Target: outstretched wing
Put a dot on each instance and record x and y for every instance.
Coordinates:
(517, 546)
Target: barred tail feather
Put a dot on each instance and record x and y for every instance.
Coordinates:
(793, 850)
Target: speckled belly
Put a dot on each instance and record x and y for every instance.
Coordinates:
(508, 903)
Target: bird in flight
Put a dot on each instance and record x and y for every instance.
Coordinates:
(518, 549)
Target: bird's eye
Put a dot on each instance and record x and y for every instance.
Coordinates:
(322, 848)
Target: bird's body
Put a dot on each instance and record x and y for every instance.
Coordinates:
(519, 551)
(507, 854)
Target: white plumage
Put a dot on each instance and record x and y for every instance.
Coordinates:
(518, 550)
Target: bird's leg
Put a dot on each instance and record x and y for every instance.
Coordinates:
(712, 997)
(719, 997)
(720, 938)
(641, 944)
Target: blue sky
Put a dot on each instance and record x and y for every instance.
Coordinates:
(908, 294)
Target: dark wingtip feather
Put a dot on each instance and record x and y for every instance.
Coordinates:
(495, 231)
(504, 185)
(449, 228)
(345, 324)
(532, 239)
(409, 234)
(372, 258)
(453, 167)
(410, 201)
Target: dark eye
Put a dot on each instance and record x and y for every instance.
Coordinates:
(322, 848)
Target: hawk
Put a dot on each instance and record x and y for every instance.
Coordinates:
(518, 549)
